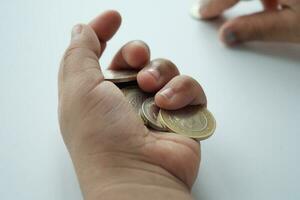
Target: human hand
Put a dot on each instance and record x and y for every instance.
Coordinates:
(278, 22)
(114, 154)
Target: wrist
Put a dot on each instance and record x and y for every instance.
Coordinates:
(118, 176)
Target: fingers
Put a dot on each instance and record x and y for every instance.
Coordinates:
(80, 66)
(264, 26)
(174, 91)
(106, 25)
(156, 74)
(179, 92)
(213, 8)
(134, 54)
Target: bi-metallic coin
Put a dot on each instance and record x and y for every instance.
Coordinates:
(192, 121)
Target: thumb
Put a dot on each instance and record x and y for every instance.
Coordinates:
(80, 68)
(263, 26)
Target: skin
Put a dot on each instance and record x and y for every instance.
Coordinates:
(115, 156)
(279, 21)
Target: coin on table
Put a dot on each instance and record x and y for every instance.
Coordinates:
(136, 97)
(192, 121)
(119, 76)
(150, 113)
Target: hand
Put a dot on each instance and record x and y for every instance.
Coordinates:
(114, 154)
(278, 22)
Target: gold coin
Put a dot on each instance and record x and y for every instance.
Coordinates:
(136, 97)
(150, 113)
(160, 119)
(143, 118)
(192, 121)
(119, 76)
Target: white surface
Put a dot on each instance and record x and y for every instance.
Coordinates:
(253, 91)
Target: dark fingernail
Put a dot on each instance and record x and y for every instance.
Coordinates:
(167, 93)
(230, 37)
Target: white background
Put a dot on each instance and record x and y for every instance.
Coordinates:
(253, 91)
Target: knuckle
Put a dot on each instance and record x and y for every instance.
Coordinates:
(249, 28)
(87, 45)
(76, 54)
(69, 55)
(166, 62)
(141, 42)
(166, 66)
(72, 50)
(186, 83)
(262, 29)
(254, 30)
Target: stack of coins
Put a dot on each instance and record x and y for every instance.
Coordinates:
(191, 121)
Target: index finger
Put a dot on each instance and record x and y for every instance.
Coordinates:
(105, 26)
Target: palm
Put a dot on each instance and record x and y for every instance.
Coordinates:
(114, 126)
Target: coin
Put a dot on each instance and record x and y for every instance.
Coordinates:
(126, 84)
(192, 121)
(136, 97)
(119, 76)
(150, 113)
(143, 118)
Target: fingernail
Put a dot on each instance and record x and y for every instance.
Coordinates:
(230, 37)
(154, 73)
(167, 93)
(76, 30)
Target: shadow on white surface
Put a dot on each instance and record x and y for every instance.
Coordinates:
(275, 50)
